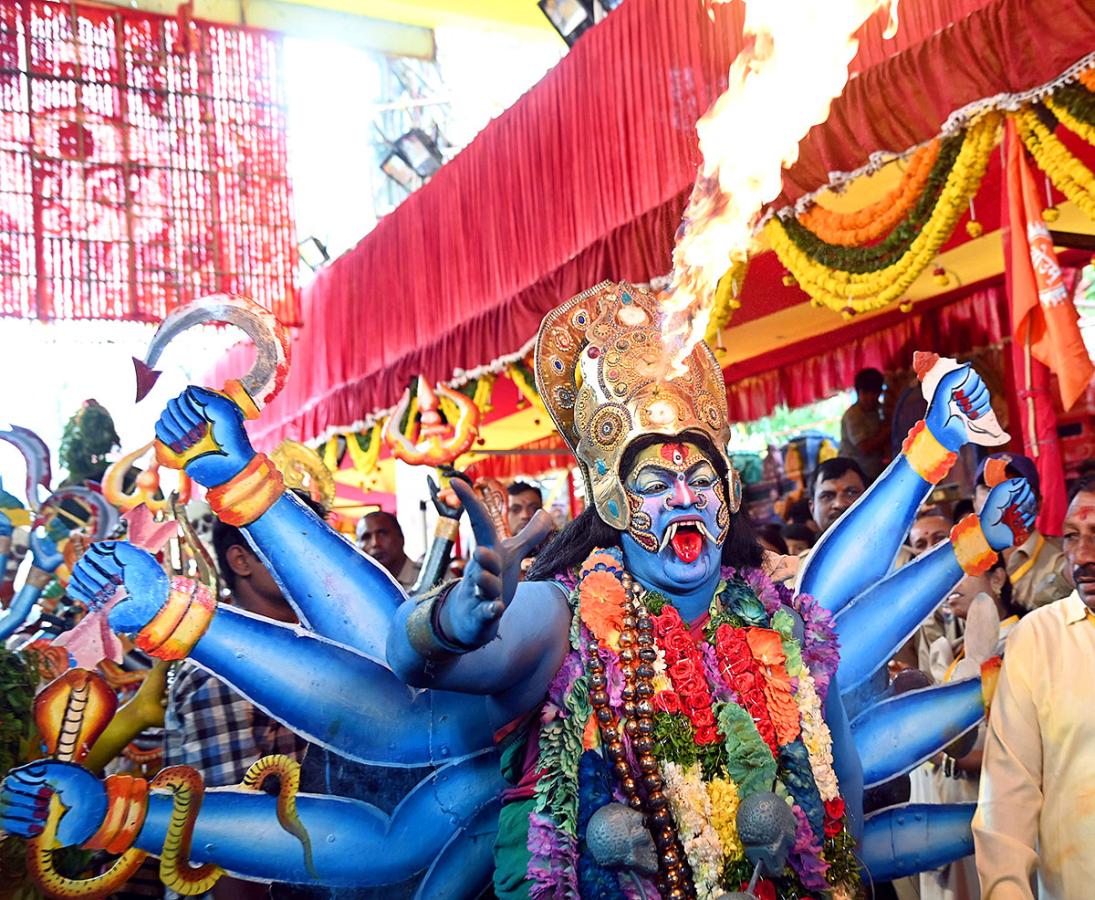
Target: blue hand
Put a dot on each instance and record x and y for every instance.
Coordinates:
(183, 425)
(1010, 507)
(965, 387)
(472, 612)
(109, 565)
(6, 528)
(25, 794)
(44, 551)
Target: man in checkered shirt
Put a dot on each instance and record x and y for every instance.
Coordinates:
(207, 724)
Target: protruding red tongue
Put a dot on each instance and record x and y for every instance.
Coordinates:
(687, 543)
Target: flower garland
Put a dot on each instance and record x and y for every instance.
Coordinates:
(691, 807)
(684, 663)
(1070, 176)
(729, 713)
(851, 292)
(854, 229)
(859, 260)
(1074, 106)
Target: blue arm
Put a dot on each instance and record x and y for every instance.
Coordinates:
(338, 698)
(904, 840)
(898, 734)
(21, 605)
(876, 623)
(337, 591)
(861, 547)
(353, 843)
(846, 764)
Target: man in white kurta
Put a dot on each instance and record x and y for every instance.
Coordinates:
(1036, 809)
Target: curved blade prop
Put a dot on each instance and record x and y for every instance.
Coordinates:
(267, 376)
(36, 454)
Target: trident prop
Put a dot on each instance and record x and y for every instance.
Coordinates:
(267, 376)
(36, 454)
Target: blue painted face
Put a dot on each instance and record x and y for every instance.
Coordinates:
(679, 517)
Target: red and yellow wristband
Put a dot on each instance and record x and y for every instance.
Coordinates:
(177, 627)
(971, 547)
(246, 496)
(127, 803)
(925, 455)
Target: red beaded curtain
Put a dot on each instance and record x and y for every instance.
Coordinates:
(142, 164)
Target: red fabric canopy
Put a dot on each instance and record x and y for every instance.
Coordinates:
(585, 178)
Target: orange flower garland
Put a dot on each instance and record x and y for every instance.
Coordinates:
(767, 648)
(601, 606)
(872, 222)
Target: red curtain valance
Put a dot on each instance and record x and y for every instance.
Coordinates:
(585, 178)
(142, 164)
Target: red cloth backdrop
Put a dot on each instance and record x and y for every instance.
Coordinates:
(828, 363)
(142, 164)
(585, 177)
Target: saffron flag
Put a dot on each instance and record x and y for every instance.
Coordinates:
(1042, 310)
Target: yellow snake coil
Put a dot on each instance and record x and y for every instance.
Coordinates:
(288, 771)
(53, 884)
(176, 873)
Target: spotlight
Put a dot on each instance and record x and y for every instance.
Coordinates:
(571, 18)
(400, 171)
(313, 252)
(420, 152)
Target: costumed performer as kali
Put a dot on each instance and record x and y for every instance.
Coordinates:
(647, 715)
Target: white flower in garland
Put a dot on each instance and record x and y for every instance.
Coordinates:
(691, 807)
(816, 737)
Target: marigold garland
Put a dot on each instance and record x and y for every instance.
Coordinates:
(853, 229)
(862, 292)
(1087, 79)
(1070, 176)
(860, 260)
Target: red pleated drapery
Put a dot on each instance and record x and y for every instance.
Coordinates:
(585, 177)
(143, 164)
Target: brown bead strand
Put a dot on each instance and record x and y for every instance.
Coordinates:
(675, 881)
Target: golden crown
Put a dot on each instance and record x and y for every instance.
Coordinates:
(607, 374)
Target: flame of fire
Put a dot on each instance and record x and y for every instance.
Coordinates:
(780, 86)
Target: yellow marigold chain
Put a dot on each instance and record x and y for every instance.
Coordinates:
(1070, 176)
(854, 229)
(863, 292)
(1076, 126)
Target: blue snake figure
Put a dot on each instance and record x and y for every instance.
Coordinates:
(384, 680)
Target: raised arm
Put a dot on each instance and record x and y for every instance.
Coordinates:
(337, 591)
(876, 623)
(486, 634)
(46, 558)
(861, 547)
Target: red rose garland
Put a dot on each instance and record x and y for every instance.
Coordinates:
(744, 676)
(684, 666)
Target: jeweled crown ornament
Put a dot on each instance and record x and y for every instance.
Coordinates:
(606, 374)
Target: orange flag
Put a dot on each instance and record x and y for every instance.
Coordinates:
(1041, 305)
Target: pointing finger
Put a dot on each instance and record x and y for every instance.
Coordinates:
(481, 523)
(533, 534)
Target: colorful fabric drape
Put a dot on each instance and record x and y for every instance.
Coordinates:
(142, 164)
